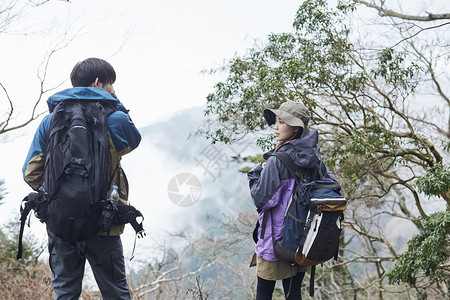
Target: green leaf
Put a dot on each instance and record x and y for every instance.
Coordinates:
(428, 252)
(436, 182)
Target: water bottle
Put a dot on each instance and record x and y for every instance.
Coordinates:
(114, 196)
(109, 209)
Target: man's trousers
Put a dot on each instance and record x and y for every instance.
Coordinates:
(105, 256)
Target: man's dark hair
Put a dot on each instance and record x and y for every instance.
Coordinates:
(85, 72)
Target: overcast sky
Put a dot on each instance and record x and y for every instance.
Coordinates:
(158, 48)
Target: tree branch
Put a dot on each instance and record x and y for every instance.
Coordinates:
(436, 83)
(384, 12)
(42, 2)
(5, 123)
(162, 278)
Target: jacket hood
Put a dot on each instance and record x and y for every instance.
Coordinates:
(304, 151)
(81, 93)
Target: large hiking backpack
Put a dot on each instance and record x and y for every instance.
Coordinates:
(73, 198)
(312, 223)
(76, 174)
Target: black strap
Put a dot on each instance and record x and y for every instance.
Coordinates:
(306, 229)
(290, 165)
(22, 226)
(311, 281)
(290, 285)
(25, 209)
(341, 218)
(293, 169)
(108, 109)
(97, 167)
(263, 225)
(128, 214)
(255, 232)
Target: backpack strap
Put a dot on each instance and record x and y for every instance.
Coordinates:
(28, 203)
(97, 166)
(311, 281)
(292, 168)
(128, 214)
(306, 229)
(25, 209)
(263, 225)
(109, 109)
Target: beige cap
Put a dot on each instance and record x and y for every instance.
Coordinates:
(291, 112)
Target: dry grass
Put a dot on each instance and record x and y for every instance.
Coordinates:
(18, 281)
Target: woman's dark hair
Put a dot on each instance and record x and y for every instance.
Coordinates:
(85, 72)
(299, 133)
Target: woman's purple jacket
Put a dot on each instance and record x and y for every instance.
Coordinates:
(271, 187)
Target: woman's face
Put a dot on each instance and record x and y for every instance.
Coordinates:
(283, 132)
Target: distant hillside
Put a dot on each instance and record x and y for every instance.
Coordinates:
(170, 147)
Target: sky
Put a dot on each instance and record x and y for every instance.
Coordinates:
(159, 49)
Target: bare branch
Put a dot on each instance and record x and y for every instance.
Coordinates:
(42, 2)
(5, 123)
(42, 76)
(418, 32)
(8, 13)
(384, 12)
(154, 285)
(436, 84)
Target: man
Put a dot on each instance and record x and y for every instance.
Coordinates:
(92, 79)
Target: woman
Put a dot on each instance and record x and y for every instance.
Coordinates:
(271, 187)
